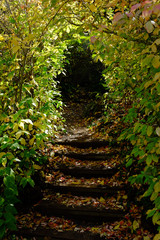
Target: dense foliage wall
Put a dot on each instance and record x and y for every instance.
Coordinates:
(31, 57)
(130, 49)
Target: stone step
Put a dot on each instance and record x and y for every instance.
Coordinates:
(86, 172)
(87, 156)
(94, 143)
(42, 233)
(82, 190)
(85, 213)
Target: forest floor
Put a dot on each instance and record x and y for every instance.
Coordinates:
(84, 191)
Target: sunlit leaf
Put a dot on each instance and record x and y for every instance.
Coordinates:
(135, 224)
(93, 8)
(2, 154)
(21, 125)
(1, 38)
(158, 131)
(157, 237)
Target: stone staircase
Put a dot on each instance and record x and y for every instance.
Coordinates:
(82, 185)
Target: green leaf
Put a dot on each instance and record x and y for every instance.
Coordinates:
(149, 160)
(31, 182)
(158, 87)
(149, 191)
(53, 2)
(136, 126)
(155, 217)
(23, 181)
(1, 201)
(155, 158)
(146, 61)
(151, 212)
(154, 196)
(2, 231)
(1, 222)
(16, 146)
(129, 163)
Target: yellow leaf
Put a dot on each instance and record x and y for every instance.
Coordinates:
(146, 36)
(156, 31)
(30, 127)
(23, 141)
(147, 84)
(154, 196)
(154, 48)
(157, 237)
(158, 131)
(135, 225)
(31, 142)
(21, 125)
(15, 49)
(102, 182)
(117, 227)
(102, 200)
(156, 62)
(157, 187)
(157, 76)
(37, 123)
(157, 41)
(125, 197)
(37, 167)
(4, 162)
(93, 8)
(18, 134)
(15, 127)
(1, 38)
(2, 154)
(146, 238)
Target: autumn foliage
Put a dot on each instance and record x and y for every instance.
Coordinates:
(124, 36)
